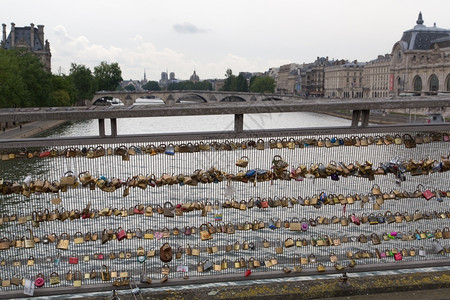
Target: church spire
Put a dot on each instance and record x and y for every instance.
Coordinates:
(419, 20)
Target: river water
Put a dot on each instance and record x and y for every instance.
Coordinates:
(186, 163)
(201, 123)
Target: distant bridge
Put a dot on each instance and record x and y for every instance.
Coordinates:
(170, 97)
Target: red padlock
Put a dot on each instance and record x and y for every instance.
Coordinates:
(73, 260)
(39, 281)
(398, 256)
(120, 234)
(101, 256)
(247, 272)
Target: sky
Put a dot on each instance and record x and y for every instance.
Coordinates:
(211, 36)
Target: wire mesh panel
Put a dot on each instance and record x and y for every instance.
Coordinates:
(105, 213)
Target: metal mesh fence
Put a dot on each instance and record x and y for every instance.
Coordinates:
(298, 203)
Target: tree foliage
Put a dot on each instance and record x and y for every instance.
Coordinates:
(151, 86)
(107, 76)
(262, 84)
(130, 87)
(24, 82)
(83, 82)
(234, 83)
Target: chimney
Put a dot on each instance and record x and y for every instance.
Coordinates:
(4, 35)
(13, 34)
(32, 37)
(41, 33)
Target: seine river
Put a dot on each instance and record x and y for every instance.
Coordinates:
(201, 123)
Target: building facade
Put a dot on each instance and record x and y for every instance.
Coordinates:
(30, 38)
(313, 77)
(376, 77)
(288, 79)
(420, 63)
(344, 79)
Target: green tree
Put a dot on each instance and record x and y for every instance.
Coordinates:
(241, 84)
(64, 93)
(13, 91)
(83, 82)
(230, 83)
(130, 87)
(37, 81)
(151, 86)
(262, 84)
(107, 76)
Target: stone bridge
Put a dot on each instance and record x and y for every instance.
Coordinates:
(169, 97)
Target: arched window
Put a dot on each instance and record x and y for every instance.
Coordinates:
(448, 83)
(417, 83)
(434, 83)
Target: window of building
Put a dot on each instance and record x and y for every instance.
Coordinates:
(417, 83)
(448, 83)
(434, 83)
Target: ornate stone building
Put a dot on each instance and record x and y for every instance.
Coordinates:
(31, 38)
(420, 63)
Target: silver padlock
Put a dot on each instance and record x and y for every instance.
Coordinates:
(422, 252)
(438, 247)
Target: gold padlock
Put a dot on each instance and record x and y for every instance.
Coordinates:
(237, 263)
(78, 238)
(195, 251)
(218, 266)
(30, 261)
(29, 242)
(224, 264)
(63, 242)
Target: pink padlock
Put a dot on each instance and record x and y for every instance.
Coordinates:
(39, 281)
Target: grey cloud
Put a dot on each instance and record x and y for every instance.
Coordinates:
(187, 28)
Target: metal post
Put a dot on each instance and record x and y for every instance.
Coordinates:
(355, 118)
(101, 127)
(113, 127)
(238, 122)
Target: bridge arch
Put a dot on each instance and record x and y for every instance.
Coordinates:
(193, 97)
(232, 99)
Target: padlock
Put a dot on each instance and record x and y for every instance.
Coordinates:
(54, 278)
(218, 266)
(73, 259)
(237, 263)
(207, 265)
(200, 268)
(30, 261)
(63, 242)
(224, 264)
(195, 251)
(77, 278)
(120, 234)
(78, 238)
(29, 242)
(278, 247)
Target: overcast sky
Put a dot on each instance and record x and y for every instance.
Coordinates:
(210, 36)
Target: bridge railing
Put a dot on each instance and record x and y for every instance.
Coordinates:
(177, 209)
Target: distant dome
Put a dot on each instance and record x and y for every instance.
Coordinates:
(422, 37)
(194, 77)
